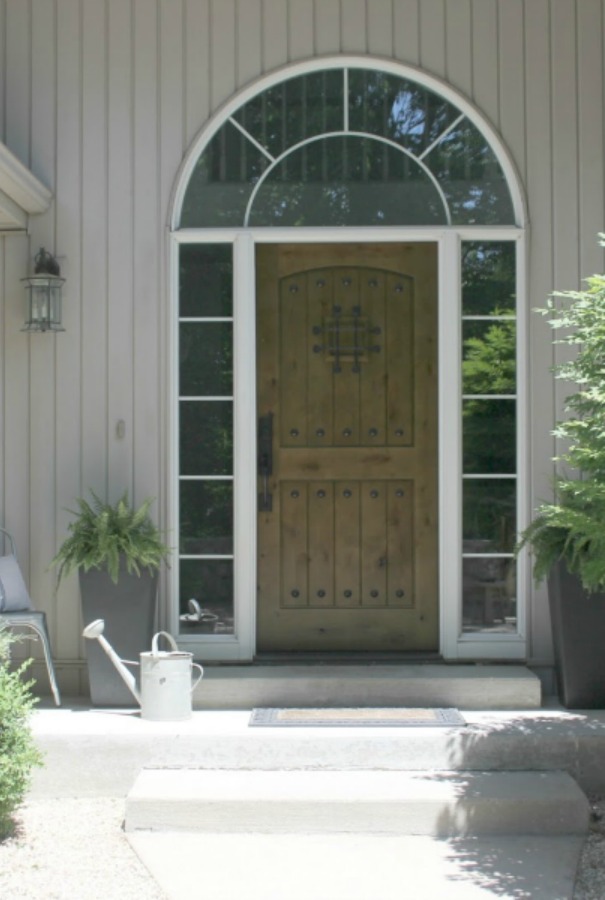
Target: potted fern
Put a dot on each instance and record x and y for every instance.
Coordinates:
(567, 535)
(117, 551)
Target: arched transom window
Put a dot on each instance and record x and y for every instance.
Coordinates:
(347, 146)
(355, 152)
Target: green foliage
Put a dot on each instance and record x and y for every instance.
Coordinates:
(572, 527)
(18, 753)
(489, 364)
(103, 534)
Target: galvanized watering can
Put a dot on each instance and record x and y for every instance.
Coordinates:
(166, 685)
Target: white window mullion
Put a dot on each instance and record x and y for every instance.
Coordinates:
(244, 379)
(450, 445)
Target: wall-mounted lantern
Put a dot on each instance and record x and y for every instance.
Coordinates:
(43, 294)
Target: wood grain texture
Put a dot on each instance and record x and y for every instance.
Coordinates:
(347, 556)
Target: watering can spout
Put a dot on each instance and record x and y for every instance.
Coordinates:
(94, 631)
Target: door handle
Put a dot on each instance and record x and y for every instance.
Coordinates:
(265, 460)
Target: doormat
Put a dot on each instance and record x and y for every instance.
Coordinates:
(364, 718)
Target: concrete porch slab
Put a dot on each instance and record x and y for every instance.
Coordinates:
(358, 867)
(92, 752)
(441, 804)
(471, 686)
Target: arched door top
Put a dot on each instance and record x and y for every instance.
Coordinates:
(347, 141)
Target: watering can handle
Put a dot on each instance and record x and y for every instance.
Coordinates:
(169, 638)
(199, 677)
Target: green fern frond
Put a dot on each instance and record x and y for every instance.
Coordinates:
(103, 535)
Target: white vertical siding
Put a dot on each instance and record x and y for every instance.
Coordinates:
(72, 372)
(102, 99)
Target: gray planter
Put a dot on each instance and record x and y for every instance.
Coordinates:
(578, 630)
(128, 609)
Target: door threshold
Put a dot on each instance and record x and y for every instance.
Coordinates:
(338, 657)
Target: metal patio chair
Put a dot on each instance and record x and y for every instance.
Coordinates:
(17, 610)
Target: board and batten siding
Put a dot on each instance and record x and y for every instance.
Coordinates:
(101, 99)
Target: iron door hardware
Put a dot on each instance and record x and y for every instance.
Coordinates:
(265, 460)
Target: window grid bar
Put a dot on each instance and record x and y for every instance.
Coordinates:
(195, 398)
(498, 318)
(252, 140)
(205, 556)
(441, 136)
(489, 396)
(205, 318)
(206, 477)
(494, 555)
(490, 476)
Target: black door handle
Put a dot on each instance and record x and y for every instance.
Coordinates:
(265, 460)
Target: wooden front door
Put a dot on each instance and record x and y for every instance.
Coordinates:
(347, 400)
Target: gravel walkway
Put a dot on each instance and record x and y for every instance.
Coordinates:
(67, 849)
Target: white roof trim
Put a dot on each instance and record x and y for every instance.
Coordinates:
(21, 194)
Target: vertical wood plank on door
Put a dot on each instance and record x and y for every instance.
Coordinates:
(373, 376)
(511, 78)
(274, 33)
(400, 544)
(120, 248)
(539, 190)
(197, 66)
(17, 77)
(321, 543)
(68, 207)
(301, 29)
(222, 41)
(346, 382)
(320, 286)
(432, 35)
(485, 58)
(327, 26)
(373, 543)
(399, 351)
(406, 31)
(293, 341)
(380, 27)
(267, 333)
(347, 528)
(354, 26)
(249, 42)
(294, 526)
(458, 52)
(93, 302)
(43, 352)
(146, 253)
(590, 134)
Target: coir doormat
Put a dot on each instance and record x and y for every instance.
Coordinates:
(365, 718)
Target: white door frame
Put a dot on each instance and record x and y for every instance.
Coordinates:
(454, 644)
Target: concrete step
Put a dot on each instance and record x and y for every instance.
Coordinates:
(494, 687)
(441, 804)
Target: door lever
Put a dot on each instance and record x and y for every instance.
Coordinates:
(265, 460)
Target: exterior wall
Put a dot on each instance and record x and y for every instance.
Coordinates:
(101, 98)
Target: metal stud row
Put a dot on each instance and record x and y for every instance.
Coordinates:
(348, 493)
(348, 593)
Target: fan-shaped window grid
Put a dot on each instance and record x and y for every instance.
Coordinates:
(347, 147)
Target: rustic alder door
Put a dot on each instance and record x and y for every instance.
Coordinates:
(347, 401)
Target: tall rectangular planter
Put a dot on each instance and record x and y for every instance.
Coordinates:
(128, 609)
(578, 629)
